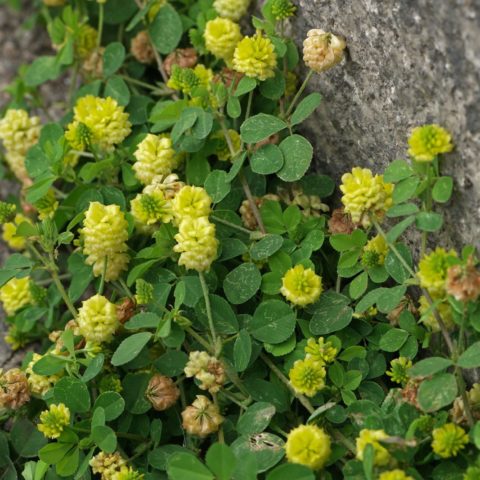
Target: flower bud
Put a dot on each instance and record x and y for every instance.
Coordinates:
(162, 392)
(202, 417)
(322, 50)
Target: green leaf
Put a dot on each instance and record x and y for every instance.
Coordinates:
(402, 210)
(390, 298)
(273, 322)
(266, 247)
(290, 471)
(429, 221)
(256, 418)
(331, 314)
(429, 366)
(470, 358)
(130, 348)
(393, 340)
(267, 448)
(184, 466)
(343, 242)
(221, 461)
(476, 435)
(217, 185)
(242, 283)
(113, 58)
(245, 85)
(49, 365)
(203, 126)
(94, 367)
(437, 392)
(41, 70)
(305, 108)
(26, 439)
(242, 351)
(405, 189)
(267, 159)
(105, 438)
(171, 363)
(143, 320)
(224, 317)
(358, 286)
(234, 108)
(73, 393)
(395, 267)
(442, 190)
(399, 228)
(261, 126)
(166, 30)
(298, 153)
(273, 88)
(397, 171)
(112, 404)
(52, 453)
(118, 90)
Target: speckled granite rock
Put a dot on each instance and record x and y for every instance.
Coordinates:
(409, 62)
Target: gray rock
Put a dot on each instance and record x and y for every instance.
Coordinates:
(409, 62)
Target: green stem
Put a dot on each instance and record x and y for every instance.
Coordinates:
(199, 339)
(251, 201)
(101, 15)
(208, 307)
(299, 93)
(128, 436)
(248, 112)
(61, 289)
(231, 225)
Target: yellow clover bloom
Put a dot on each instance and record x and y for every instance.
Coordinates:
(97, 319)
(395, 475)
(322, 50)
(19, 131)
(449, 440)
(373, 437)
(255, 57)
(443, 308)
(282, 9)
(151, 208)
(301, 286)
(308, 445)
(16, 294)
(10, 232)
(86, 41)
(375, 251)
(365, 194)
(127, 473)
(399, 368)
(433, 269)
(429, 141)
(39, 384)
(192, 202)
(221, 37)
(104, 233)
(54, 420)
(320, 351)
(232, 9)
(307, 376)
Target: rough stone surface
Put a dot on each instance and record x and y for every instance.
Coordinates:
(409, 62)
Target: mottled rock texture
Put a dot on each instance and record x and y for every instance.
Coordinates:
(409, 62)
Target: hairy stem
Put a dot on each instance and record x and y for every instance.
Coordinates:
(208, 307)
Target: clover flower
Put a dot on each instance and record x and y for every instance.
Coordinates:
(16, 294)
(399, 369)
(283, 9)
(395, 475)
(98, 121)
(232, 9)
(39, 384)
(97, 319)
(7, 212)
(192, 202)
(182, 57)
(307, 376)
(433, 270)
(449, 440)
(148, 209)
(104, 234)
(15, 338)
(110, 383)
(154, 156)
(308, 445)
(320, 351)
(14, 391)
(365, 195)
(142, 49)
(107, 464)
(86, 41)
(375, 252)
(222, 37)
(373, 437)
(162, 392)
(47, 205)
(202, 417)
(54, 420)
(183, 80)
(301, 286)
(322, 50)
(443, 308)
(127, 473)
(429, 141)
(209, 371)
(255, 57)
(463, 282)
(222, 149)
(143, 292)
(10, 232)
(19, 131)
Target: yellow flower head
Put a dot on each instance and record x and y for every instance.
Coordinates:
(39, 384)
(16, 294)
(429, 141)
(205, 75)
(47, 205)
(375, 252)
(192, 202)
(107, 464)
(151, 208)
(322, 50)
(154, 156)
(104, 234)
(232, 9)
(54, 420)
(110, 383)
(127, 473)
(86, 41)
(222, 149)
(18, 131)
(100, 120)
(10, 232)
(15, 338)
(444, 309)
(308, 445)
(365, 194)
(301, 286)
(399, 368)
(183, 80)
(320, 351)
(97, 319)
(7, 212)
(395, 475)
(373, 437)
(143, 292)
(221, 37)
(448, 440)
(255, 57)
(307, 376)
(16, 163)
(282, 9)
(196, 243)
(433, 270)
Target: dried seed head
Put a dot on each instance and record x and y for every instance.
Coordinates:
(162, 393)
(183, 57)
(142, 49)
(463, 282)
(322, 50)
(202, 417)
(14, 391)
(340, 222)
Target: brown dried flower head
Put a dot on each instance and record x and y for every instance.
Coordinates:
(162, 392)
(246, 212)
(14, 391)
(92, 66)
(463, 282)
(410, 393)
(126, 310)
(141, 48)
(227, 76)
(405, 304)
(322, 50)
(202, 417)
(340, 222)
(183, 57)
